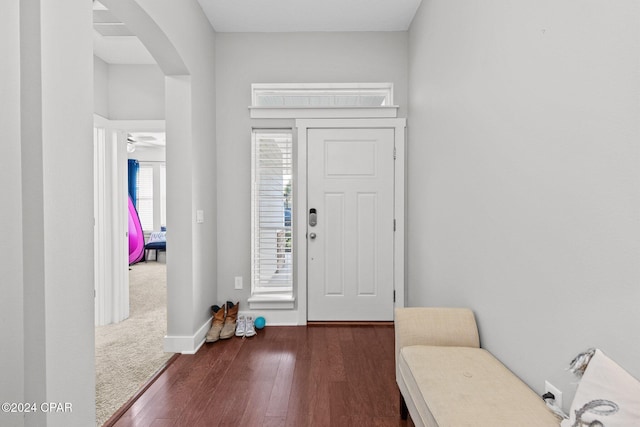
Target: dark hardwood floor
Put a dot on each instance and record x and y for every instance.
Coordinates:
(284, 376)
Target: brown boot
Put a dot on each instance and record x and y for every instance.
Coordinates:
(229, 328)
(218, 322)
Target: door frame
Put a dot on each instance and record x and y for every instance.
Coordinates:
(111, 244)
(301, 206)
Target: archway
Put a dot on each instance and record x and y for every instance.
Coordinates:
(184, 58)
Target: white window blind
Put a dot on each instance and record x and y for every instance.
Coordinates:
(144, 199)
(271, 217)
(316, 95)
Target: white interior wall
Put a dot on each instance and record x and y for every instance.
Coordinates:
(191, 171)
(67, 131)
(128, 92)
(136, 92)
(179, 218)
(12, 366)
(48, 210)
(245, 58)
(100, 87)
(31, 110)
(523, 176)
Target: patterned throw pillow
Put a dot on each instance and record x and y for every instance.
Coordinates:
(158, 236)
(607, 396)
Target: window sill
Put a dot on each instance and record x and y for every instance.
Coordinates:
(271, 302)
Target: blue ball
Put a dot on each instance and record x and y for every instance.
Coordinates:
(260, 322)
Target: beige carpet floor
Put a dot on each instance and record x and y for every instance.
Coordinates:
(130, 352)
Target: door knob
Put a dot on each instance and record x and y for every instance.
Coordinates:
(312, 236)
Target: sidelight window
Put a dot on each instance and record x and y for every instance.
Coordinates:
(272, 213)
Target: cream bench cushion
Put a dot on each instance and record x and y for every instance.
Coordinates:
(464, 386)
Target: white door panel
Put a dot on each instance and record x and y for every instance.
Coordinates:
(350, 260)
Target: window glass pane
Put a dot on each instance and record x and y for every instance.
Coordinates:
(272, 202)
(317, 95)
(163, 196)
(320, 100)
(144, 202)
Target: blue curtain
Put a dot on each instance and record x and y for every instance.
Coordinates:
(133, 179)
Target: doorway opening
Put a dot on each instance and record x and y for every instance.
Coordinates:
(131, 300)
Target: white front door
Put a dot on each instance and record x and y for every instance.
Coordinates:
(350, 249)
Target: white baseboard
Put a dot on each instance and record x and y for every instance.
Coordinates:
(187, 344)
(275, 317)
(191, 344)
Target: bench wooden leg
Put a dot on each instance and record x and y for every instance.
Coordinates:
(404, 411)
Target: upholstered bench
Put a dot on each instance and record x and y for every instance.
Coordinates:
(447, 380)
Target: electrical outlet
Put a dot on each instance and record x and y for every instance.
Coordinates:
(238, 282)
(548, 387)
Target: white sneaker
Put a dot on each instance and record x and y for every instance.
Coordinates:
(249, 329)
(241, 326)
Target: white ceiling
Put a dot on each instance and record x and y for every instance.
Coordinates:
(309, 15)
(114, 44)
(147, 140)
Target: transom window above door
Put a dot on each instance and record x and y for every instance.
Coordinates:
(322, 100)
